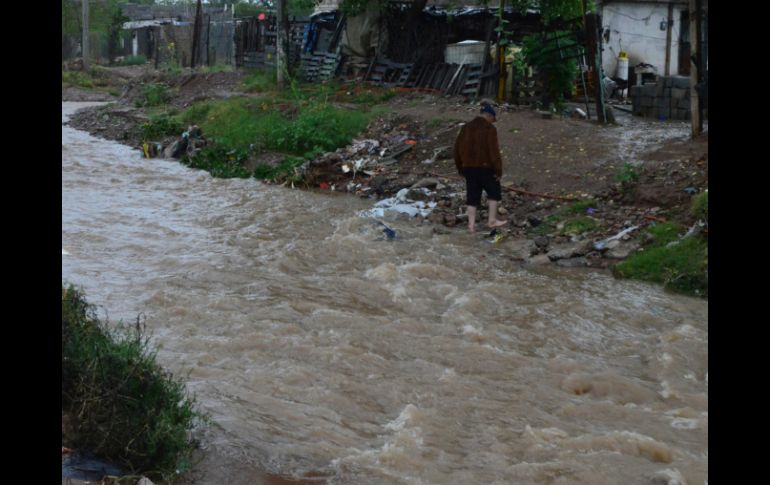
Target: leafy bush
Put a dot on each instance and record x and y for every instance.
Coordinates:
(542, 52)
(219, 161)
(155, 94)
(627, 175)
(124, 406)
(161, 125)
(700, 206)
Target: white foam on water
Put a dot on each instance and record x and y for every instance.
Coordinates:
(625, 442)
(684, 423)
(671, 477)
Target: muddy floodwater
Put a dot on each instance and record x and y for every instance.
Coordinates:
(320, 346)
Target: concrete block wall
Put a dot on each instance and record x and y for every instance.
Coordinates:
(668, 99)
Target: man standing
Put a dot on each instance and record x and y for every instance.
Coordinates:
(477, 156)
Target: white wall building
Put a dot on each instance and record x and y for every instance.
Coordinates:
(641, 29)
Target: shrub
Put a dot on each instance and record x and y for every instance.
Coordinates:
(125, 407)
(700, 206)
(155, 94)
(161, 125)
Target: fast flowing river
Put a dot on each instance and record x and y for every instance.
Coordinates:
(317, 345)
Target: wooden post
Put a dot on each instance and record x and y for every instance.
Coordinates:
(84, 42)
(208, 46)
(156, 31)
(669, 29)
(594, 40)
(196, 35)
(502, 74)
(697, 124)
(280, 43)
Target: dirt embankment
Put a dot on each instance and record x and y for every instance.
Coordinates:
(635, 172)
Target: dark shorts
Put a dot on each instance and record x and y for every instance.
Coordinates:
(478, 179)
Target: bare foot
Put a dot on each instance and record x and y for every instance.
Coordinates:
(471, 229)
(497, 223)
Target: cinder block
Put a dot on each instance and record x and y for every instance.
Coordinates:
(678, 93)
(649, 89)
(635, 91)
(681, 82)
(646, 101)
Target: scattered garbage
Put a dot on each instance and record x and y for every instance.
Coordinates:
(82, 466)
(601, 245)
(695, 229)
(496, 236)
(389, 232)
(402, 205)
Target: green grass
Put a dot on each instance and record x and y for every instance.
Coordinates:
(374, 96)
(124, 407)
(682, 267)
(700, 206)
(581, 206)
(154, 94)
(579, 225)
(260, 81)
(77, 78)
(665, 233)
(161, 125)
(242, 122)
(133, 61)
(548, 226)
(283, 171)
(242, 126)
(217, 68)
(627, 175)
(219, 161)
(300, 121)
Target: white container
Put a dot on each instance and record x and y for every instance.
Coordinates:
(465, 52)
(622, 68)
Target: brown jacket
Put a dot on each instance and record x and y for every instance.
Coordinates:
(477, 146)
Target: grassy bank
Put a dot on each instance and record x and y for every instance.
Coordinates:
(300, 123)
(122, 405)
(680, 264)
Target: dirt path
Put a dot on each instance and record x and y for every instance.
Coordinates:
(567, 158)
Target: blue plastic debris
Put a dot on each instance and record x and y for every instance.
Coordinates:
(390, 233)
(691, 190)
